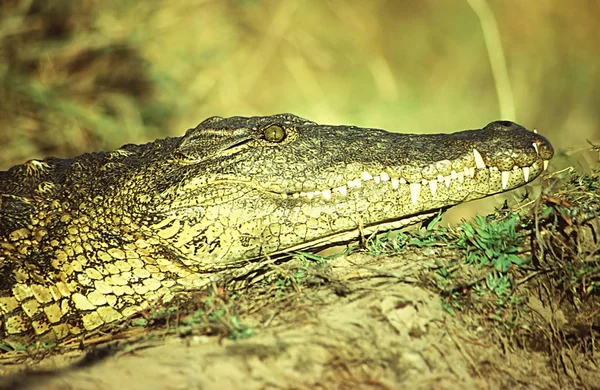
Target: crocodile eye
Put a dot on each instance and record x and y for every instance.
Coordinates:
(274, 133)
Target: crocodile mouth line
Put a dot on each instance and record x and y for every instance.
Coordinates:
(415, 187)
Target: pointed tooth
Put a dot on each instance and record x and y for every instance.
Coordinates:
(343, 190)
(448, 180)
(377, 179)
(546, 164)
(415, 191)
(526, 174)
(535, 131)
(424, 182)
(357, 183)
(402, 180)
(310, 195)
(350, 184)
(453, 175)
(366, 176)
(395, 183)
(433, 187)
(466, 171)
(296, 195)
(535, 146)
(479, 163)
(505, 177)
(461, 177)
(326, 194)
(472, 172)
(440, 178)
(384, 176)
(303, 194)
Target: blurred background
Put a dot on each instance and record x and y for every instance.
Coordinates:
(78, 76)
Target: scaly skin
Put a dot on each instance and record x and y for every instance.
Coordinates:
(94, 239)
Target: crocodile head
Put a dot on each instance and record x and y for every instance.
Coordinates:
(238, 188)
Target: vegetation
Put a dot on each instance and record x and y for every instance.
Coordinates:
(211, 313)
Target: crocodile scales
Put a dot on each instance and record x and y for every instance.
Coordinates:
(97, 238)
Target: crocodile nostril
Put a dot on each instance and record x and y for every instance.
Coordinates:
(506, 123)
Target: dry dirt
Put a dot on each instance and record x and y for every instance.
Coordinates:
(368, 322)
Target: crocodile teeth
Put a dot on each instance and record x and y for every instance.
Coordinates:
(366, 176)
(535, 146)
(440, 178)
(433, 187)
(326, 194)
(424, 181)
(395, 183)
(479, 163)
(453, 175)
(296, 195)
(310, 195)
(384, 176)
(469, 171)
(526, 174)
(461, 177)
(356, 183)
(505, 177)
(343, 190)
(535, 131)
(402, 180)
(415, 191)
(377, 179)
(546, 164)
(448, 180)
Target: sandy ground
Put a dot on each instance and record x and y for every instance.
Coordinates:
(373, 325)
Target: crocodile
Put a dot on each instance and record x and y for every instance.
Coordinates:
(95, 239)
